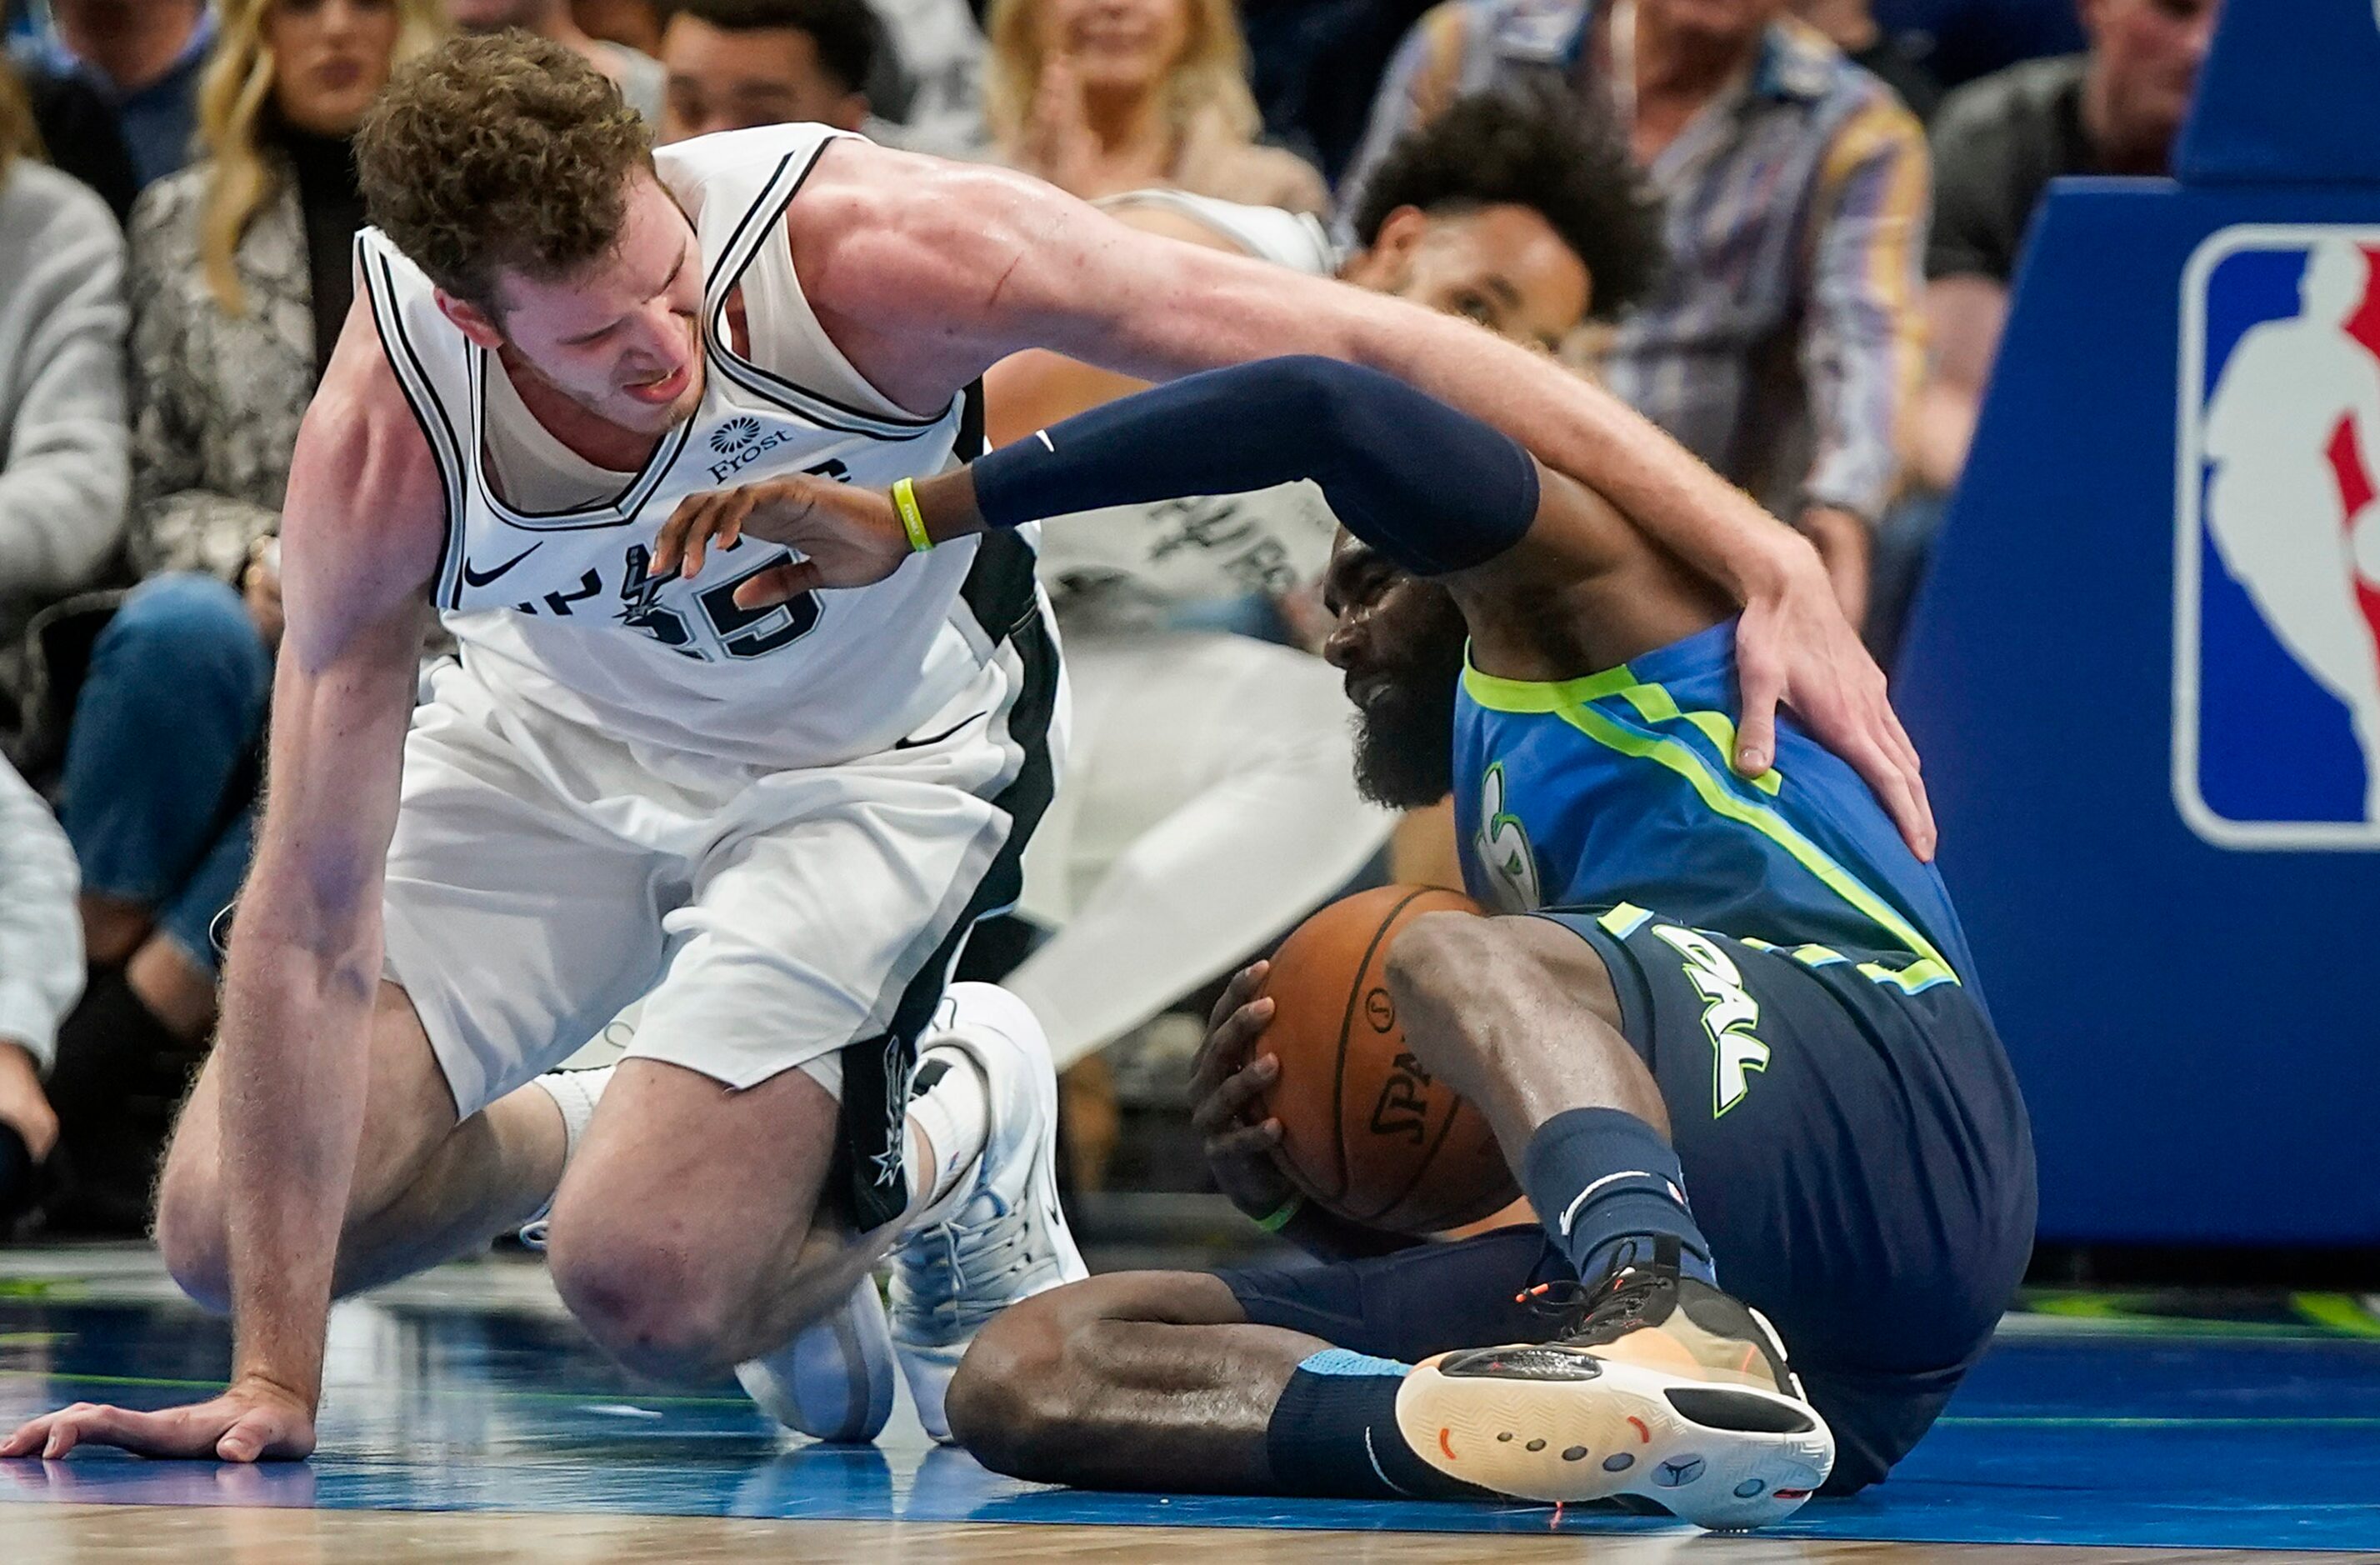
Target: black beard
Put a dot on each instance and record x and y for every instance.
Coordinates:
(1405, 740)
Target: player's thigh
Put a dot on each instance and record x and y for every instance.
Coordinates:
(687, 1190)
(518, 924)
(821, 933)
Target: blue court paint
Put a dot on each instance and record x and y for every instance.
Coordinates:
(2068, 1433)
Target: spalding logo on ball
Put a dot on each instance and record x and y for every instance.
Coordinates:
(1366, 1131)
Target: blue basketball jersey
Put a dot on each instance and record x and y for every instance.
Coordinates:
(1615, 792)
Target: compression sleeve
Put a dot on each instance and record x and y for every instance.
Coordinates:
(1434, 489)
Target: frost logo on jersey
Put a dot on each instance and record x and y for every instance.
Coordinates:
(741, 444)
(2277, 665)
(1729, 1017)
(1501, 846)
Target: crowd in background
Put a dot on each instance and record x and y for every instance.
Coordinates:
(1844, 192)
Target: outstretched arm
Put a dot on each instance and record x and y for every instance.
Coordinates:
(966, 265)
(361, 533)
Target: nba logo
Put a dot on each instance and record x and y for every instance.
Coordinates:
(2276, 612)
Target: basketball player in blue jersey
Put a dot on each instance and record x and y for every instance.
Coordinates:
(1745, 988)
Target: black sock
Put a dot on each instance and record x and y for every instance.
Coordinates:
(19, 1177)
(1605, 1185)
(1334, 1433)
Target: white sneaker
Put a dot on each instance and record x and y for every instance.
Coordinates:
(833, 1381)
(1007, 1239)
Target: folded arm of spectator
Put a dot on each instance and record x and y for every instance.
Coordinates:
(177, 524)
(40, 954)
(1863, 345)
(63, 486)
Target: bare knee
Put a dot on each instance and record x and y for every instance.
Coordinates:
(1517, 1014)
(1011, 1398)
(644, 1298)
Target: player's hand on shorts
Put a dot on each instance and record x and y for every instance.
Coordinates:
(254, 1420)
(849, 536)
(1226, 1089)
(1793, 645)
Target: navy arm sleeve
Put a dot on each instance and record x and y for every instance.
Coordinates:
(1434, 489)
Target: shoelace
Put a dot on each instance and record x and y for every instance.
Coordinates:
(955, 1259)
(1608, 1309)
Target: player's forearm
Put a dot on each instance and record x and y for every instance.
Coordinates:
(293, 1054)
(1433, 489)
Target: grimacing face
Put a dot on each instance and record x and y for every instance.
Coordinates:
(1398, 640)
(618, 336)
(1502, 266)
(732, 81)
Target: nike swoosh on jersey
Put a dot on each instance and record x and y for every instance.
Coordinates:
(480, 578)
(938, 738)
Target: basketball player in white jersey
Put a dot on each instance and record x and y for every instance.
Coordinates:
(1210, 796)
(781, 821)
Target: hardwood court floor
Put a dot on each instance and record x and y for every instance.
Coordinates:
(466, 1419)
(139, 1535)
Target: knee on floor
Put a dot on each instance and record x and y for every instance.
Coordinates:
(1008, 1399)
(644, 1298)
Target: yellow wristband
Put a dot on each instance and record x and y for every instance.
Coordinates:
(913, 521)
(1280, 1216)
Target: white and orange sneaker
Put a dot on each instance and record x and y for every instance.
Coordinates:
(1667, 1390)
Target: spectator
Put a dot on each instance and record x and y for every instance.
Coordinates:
(1890, 57)
(1103, 97)
(1316, 64)
(634, 23)
(40, 972)
(1785, 345)
(240, 284)
(144, 57)
(62, 424)
(639, 76)
(738, 63)
(78, 132)
(2115, 109)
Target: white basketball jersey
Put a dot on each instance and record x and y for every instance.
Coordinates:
(1129, 562)
(553, 609)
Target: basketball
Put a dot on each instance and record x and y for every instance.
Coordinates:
(1365, 1130)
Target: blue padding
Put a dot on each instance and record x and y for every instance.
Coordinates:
(2181, 984)
(1338, 1360)
(2285, 96)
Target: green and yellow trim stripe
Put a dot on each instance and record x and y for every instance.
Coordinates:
(1571, 700)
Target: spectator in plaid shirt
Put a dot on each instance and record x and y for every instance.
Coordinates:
(1785, 347)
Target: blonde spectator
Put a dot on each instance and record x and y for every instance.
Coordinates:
(1103, 97)
(241, 283)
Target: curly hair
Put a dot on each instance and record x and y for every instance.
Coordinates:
(1540, 147)
(495, 151)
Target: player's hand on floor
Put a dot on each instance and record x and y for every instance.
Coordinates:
(252, 1421)
(1793, 645)
(850, 536)
(1226, 1085)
